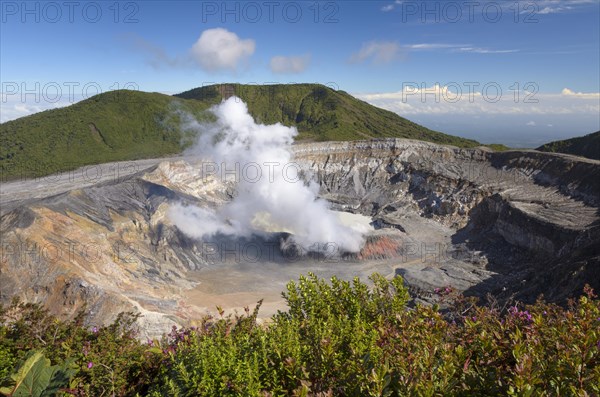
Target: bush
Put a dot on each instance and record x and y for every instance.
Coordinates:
(106, 360)
(336, 338)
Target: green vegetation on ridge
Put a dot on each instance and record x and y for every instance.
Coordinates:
(129, 125)
(585, 146)
(321, 113)
(119, 125)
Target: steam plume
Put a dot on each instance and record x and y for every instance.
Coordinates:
(268, 186)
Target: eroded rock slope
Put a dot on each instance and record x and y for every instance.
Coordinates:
(513, 223)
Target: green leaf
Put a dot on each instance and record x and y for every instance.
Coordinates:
(22, 377)
(37, 378)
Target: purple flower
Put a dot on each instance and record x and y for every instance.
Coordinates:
(523, 315)
(90, 365)
(85, 349)
(443, 291)
(95, 330)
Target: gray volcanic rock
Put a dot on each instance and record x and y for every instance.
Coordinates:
(519, 212)
(512, 223)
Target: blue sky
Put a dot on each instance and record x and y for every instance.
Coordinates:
(439, 63)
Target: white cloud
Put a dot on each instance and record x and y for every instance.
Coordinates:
(156, 56)
(219, 49)
(14, 111)
(545, 7)
(13, 108)
(549, 10)
(390, 7)
(420, 99)
(386, 51)
(433, 46)
(478, 50)
(458, 110)
(215, 50)
(293, 64)
(461, 48)
(531, 124)
(378, 51)
(591, 95)
(529, 7)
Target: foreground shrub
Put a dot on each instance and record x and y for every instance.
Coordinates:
(105, 360)
(336, 338)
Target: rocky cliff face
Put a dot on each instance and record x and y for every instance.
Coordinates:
(540, 201)
(518, 222)
(532, 218)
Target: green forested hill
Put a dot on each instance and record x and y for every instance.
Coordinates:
(321, 113)
(586, 146)
(128, 125)
(119, 125)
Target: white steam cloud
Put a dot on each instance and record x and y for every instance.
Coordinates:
(269, 189)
